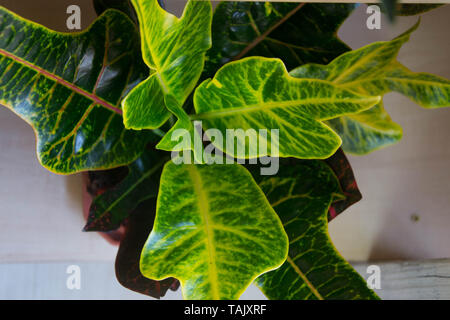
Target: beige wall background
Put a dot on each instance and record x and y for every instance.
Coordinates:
(41, 213)
(411, 178)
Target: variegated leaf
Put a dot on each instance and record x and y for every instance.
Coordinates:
(301, 194)
(367, 131)
(297, 33)
(214, 231)
(68, 87)
(257, 93)
(373, 70)
(174, 49)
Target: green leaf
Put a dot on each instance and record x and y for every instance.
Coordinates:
(373, 70)
(412, 9)
(111, 207)
(267, 97)
(290, 34)
(68, 87)
(137, 229)
(427, 90)
(367, 131)
(174, 49)
(390, 7)
(182, 136)
(124, 6)
(296, 39)
(341, 168)
(297, 33)
(301, 195)
(214, 231)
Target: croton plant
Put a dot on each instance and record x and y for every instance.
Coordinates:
(109, 100)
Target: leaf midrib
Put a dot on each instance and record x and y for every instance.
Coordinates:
(204, 212)
(304, 278)
(63, 82)
(361, 61)
(384, 77)
(271, 105)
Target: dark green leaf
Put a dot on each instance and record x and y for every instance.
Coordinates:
(297, 33)
(124, 6)
(68, 87)
(301, 195)
(101, 180)
(412, 9)
(390, 7)
(342, 169)
(110, 208)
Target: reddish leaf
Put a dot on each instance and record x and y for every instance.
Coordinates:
(96, 183)
(137, 228)
(343, 170)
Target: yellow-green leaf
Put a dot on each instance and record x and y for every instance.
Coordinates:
(214, 231)
(68, 87)
(182, 136)
(373, 70)
(258, 93)
(367, 131)
(174, 49)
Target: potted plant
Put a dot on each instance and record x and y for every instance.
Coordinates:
(215, 141)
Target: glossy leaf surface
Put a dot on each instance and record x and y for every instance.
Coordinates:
(301, 195)
(297, 33)
(367, 131)
(258, 93)
(111, 207)
(174, 49)
(285, 40)
(340, 166)
(373, 70)
(68, 87)
(214, 231)
(182, 136)
(124, 6)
